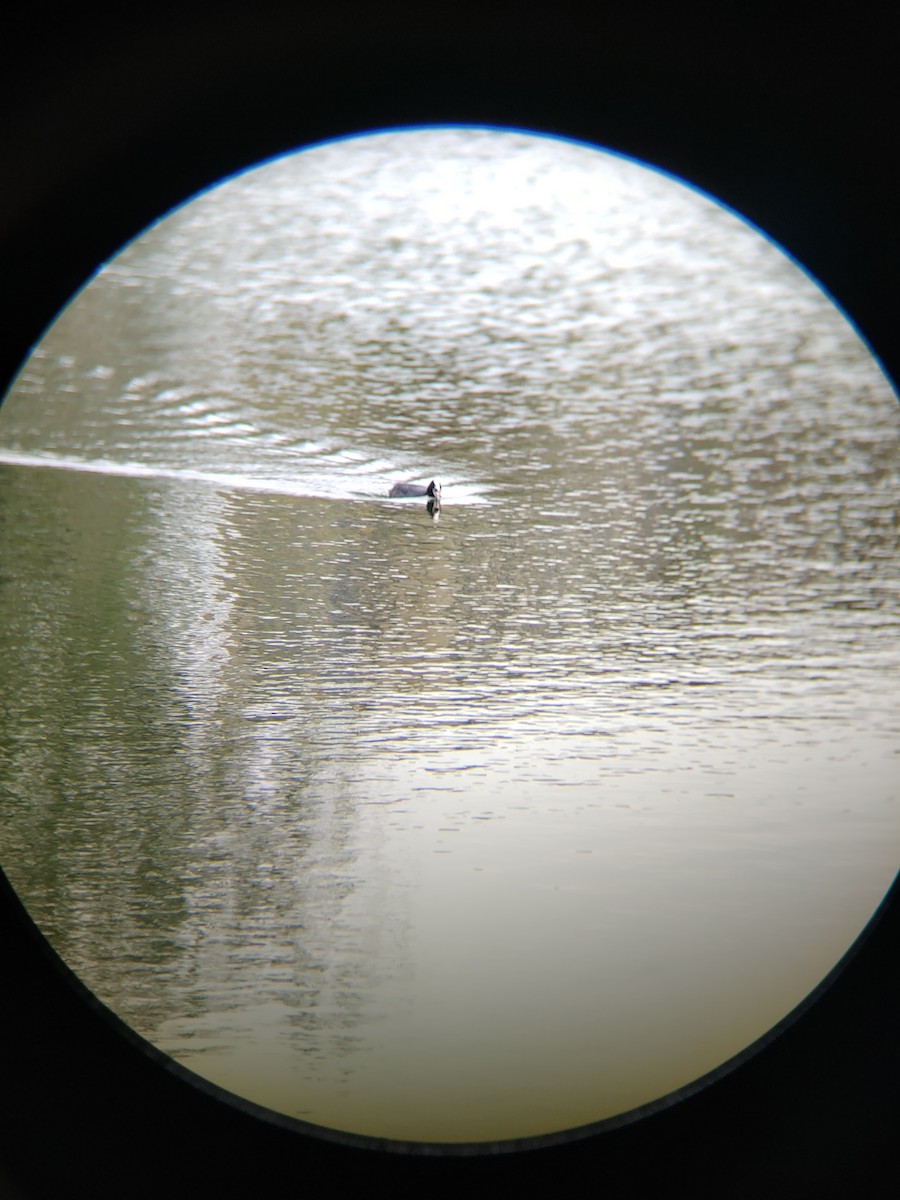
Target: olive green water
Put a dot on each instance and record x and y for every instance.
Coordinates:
(468, 825)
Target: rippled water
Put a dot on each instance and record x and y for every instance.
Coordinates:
(474, 824)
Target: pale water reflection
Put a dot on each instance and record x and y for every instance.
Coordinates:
(469, 828)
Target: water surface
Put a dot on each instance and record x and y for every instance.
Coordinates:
(468, 825)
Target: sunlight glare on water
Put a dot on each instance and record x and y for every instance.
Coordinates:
(475, 823)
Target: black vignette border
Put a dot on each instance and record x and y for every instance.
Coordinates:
(106, 122)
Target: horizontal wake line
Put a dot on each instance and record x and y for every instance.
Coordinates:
(309, 488)
(133, 470)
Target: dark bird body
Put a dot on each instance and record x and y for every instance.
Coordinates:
(416, 489)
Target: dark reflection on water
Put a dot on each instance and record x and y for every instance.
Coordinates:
(473, 827)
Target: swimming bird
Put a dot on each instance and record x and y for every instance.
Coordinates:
(417, 489)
